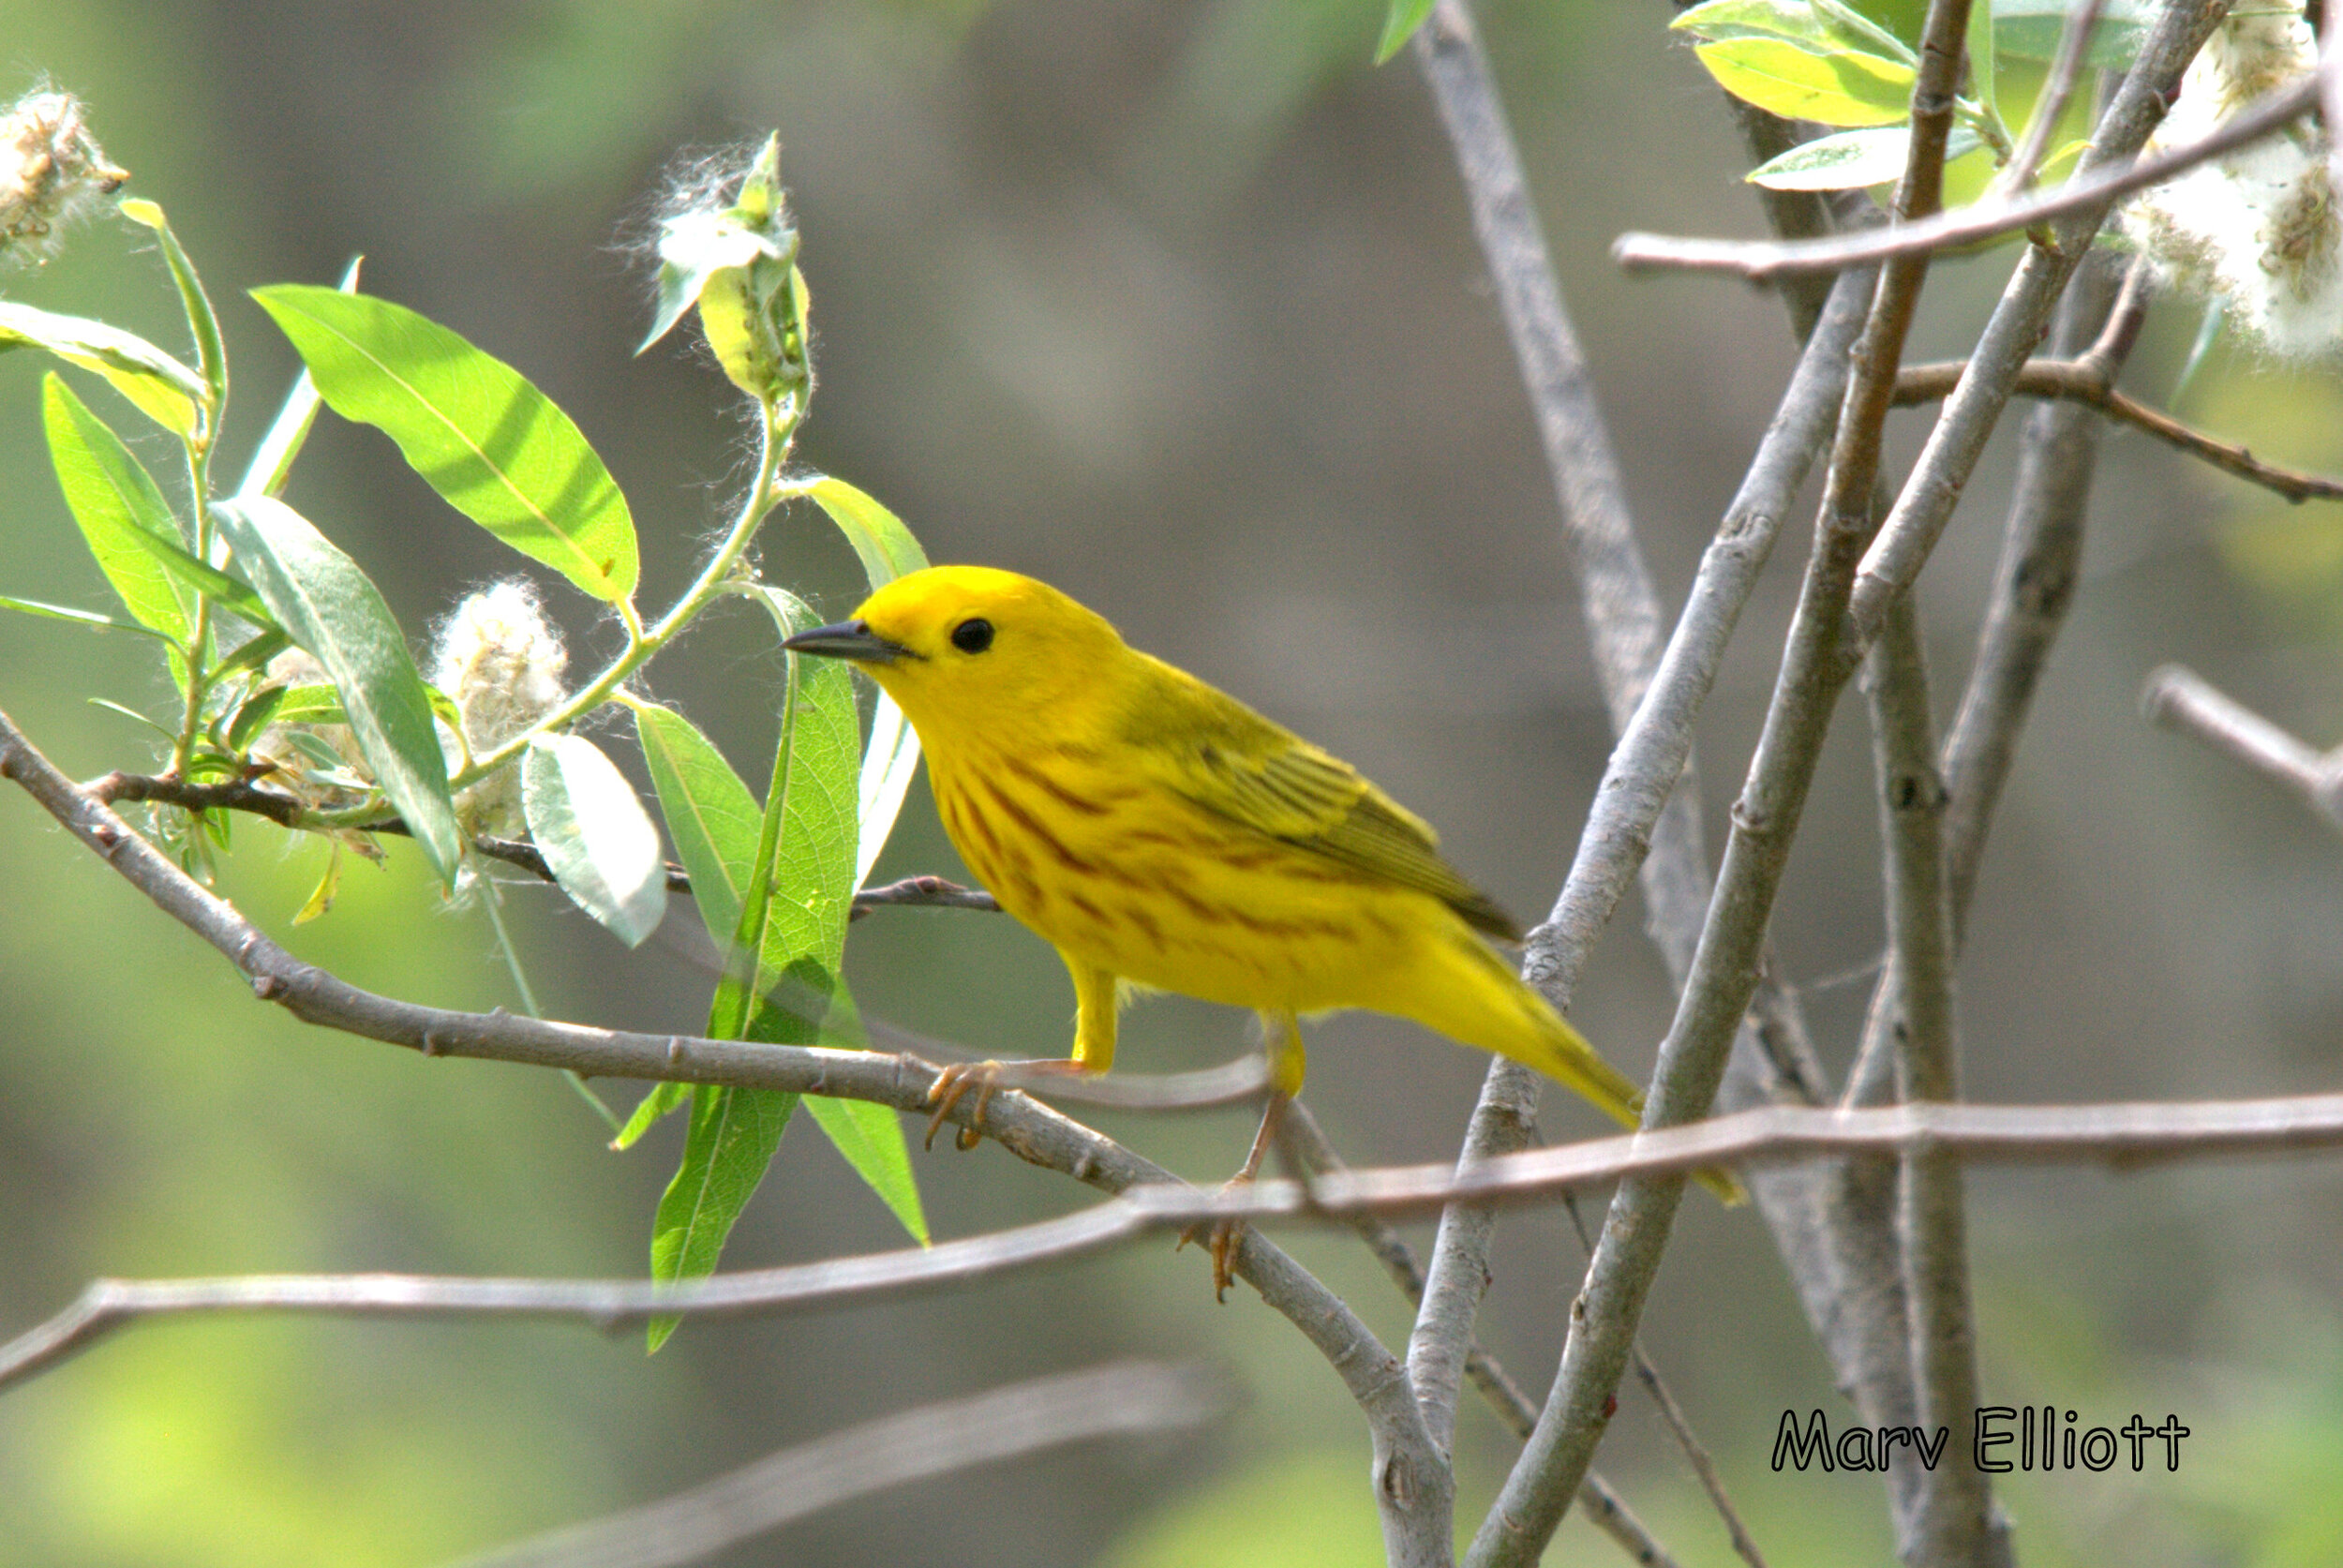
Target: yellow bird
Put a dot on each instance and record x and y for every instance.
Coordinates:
(1161, 834)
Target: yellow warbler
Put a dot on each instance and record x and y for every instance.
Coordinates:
(1161, 834)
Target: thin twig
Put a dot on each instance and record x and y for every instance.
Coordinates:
(2123, 1137)
(1680, 1426)
(1620, 608)
(1725, 968)
(923, 892)
(1925, 504)
(1123, 1400)
(1405, 1459)
(1955, 1521)
(2049, 106)
(1604, 1508)
(2077, 381)
(2179, 699)
(2098, 184)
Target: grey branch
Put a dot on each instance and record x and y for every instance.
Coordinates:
(2097, 185)
(2121, 1135)
(2180, 699)
(1619, 604)
(2079, 382)
(1949, 455)
(1124, 1399)
(1405, 1459)
(1954, 1520)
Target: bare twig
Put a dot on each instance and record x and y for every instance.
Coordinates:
(2123, 1137)
(1406, 1462)
(925, 892)
(2098, 184)
(1118, 1401)
(1620, 608)
(2049, 106)
(1925, 504)
(1955, 1521)
(2179, 699)
(2077, 381)
(1724, 970)
(1604, 1508)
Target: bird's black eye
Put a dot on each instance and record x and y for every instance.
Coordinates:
(973, 635)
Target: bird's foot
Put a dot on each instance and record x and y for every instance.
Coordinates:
(1221, 1238)
(953, 1083)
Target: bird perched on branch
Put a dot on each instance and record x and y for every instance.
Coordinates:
(1163, 836)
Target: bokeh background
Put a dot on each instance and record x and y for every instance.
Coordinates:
(1175, 305)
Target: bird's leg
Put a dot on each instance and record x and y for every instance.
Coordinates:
(1287, 1063)
(1094, 1051)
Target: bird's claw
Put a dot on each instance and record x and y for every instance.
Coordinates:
(951, 1085)
(1221, 1238)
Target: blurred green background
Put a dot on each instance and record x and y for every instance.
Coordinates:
(1176, 305)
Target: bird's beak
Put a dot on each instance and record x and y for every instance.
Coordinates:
(847, 639)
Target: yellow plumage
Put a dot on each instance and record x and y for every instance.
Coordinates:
(1159, 832)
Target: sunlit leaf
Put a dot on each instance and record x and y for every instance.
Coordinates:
(112, 496)
(1850, 158)
(332, 609)
(2030, 29)
(1797, 83)
(159, 385)
(887, 549)
(1820, 26)
(1400, 20)
(596, 839)
(889, 762)
(90, 618)
(202, 325)
(273, 459)
(496, 448)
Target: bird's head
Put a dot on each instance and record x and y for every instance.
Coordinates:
(973, 649)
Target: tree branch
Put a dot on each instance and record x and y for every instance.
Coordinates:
(1118, 1401)
(1405, 1461)
(2097, 185)
(2077, 381)
(2178, 699)
(2123, 1136)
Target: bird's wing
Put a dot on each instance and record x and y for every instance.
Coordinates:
(1230, 761)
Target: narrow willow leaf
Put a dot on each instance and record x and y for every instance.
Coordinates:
(253, 715)
(156, 384)
(889, 762)
(663, 1098)
(194, 573)
(1400, 24)
(871, 1136)
(595, 836)
(273, 460)
(887, 548)
(1979, 45)
(113, 706)
(732, 1138)
(202, 324)
(1821, 26)
(329, 887)
(2030, 29)
(1850, 158)
(311, 704)
(711, 818)
(112, 496)
(331, 608)
(496, 448)
(90, 618)
(1833, 89)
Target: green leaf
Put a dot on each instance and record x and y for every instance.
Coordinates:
(596, 839)
(202, 325)
(156, 385)
(1819, 26)
(224, 590)
(1799, 84)
(739, 265)
(869, 1135)
(1400, 24)
(1848, 159)
(662, 1098)
(711, 818)
(733, 1135)
(90, 618)
(112, 496)
(273, 460)
(887, 548)
(2030, 30)
(1980, 46)
(310, 705)
(113, 706)
(330, 608)
(496, 448)
(253, 715)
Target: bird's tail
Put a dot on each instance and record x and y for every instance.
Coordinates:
(1490, 1007)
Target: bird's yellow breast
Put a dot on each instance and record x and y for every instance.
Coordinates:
(1123, 873)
